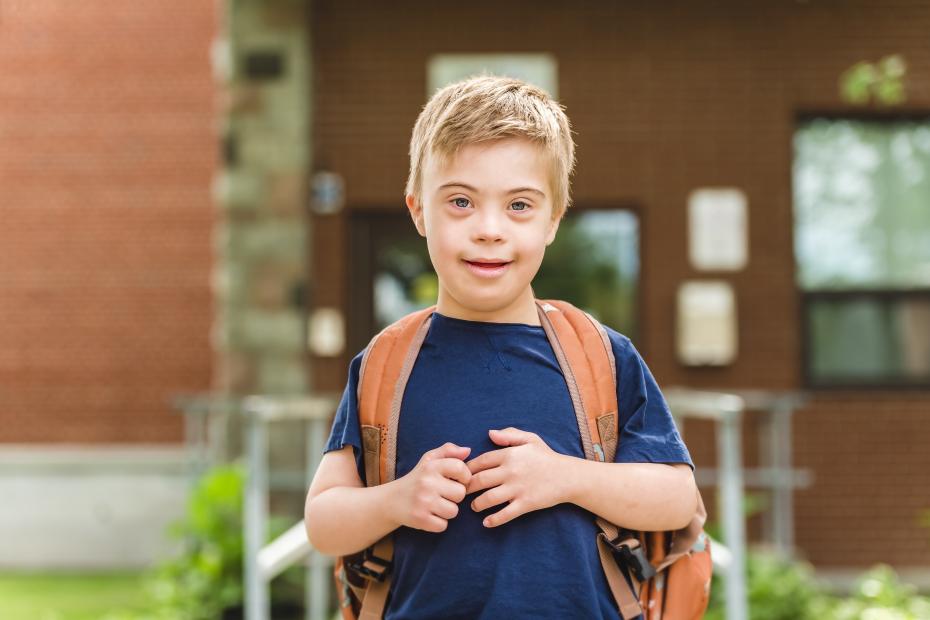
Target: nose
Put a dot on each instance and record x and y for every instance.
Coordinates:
(489, 226)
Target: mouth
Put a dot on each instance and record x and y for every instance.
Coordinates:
(487, 268)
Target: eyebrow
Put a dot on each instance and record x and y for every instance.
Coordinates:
(516, 190)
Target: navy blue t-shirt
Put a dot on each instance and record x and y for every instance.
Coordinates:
(472, 376)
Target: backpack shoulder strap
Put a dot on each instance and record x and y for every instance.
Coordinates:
(583, 350)
(386, 366)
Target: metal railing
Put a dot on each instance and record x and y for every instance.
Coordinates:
(264, 562)
(727, 410)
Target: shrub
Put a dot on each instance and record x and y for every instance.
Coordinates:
(880, 595)
(778, 589)
(205, 582)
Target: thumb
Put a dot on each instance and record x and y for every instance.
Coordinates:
(448, 450)
(510, 436)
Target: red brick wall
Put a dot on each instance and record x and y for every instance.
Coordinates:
(107, 150)
(665, 99)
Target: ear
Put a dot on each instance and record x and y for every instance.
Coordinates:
(416, 213)
(553, 228)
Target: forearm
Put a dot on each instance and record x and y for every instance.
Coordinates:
(343, 520)
(637, 496)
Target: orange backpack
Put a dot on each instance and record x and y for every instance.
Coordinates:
(670, 571)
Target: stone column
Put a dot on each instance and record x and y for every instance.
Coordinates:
(263, 67)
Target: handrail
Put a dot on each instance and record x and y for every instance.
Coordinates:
(284, 551)
(264, 562)
(726, 411)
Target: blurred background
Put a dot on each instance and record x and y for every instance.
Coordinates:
(202, 202)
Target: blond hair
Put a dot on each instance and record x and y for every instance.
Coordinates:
(489, 107)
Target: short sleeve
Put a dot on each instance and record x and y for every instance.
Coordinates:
(647, 428)
(346, 430)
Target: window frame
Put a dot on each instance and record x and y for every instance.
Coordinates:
(808, 297)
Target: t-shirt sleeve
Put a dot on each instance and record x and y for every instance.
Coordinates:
(647, 428)
(346, 430)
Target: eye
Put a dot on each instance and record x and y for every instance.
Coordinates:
(456, 203)
(526, 207)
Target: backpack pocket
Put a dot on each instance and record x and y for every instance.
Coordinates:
(689, 583)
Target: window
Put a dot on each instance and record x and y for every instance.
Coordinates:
(539, 69)
(862, 249)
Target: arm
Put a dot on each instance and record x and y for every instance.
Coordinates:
(637, 496)
(341, 515)
(528, 475)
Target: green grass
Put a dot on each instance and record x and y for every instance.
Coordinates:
(54, 596)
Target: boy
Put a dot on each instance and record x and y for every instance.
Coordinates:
(491, 508)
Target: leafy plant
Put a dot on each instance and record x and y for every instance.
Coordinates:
(882, 81)
(207, 577)
(204, 582)
(880, 595)
(778, 589)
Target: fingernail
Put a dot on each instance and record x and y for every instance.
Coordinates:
(486, 522)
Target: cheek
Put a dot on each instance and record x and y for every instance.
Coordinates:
(441, 252)
(534, 245)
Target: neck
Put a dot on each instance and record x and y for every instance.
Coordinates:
(521, 310)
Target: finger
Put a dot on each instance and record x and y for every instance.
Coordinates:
(485, 480)
(447, 450)
(486, 461)
(444, 509)
(511, 436)
(435, 524)
(497, 495)
(453, 491)
(454, 469)
(512, 511)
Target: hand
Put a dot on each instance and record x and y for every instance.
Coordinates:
(527, 474)
(428, 496)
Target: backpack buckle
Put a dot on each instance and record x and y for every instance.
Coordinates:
(631, 554)
(369, 566)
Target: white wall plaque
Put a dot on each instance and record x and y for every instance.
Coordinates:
(717, 220)
(326, 332)
(706, 323)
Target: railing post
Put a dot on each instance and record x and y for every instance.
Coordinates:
(730, 470)
(318, 581)
(783, 495)
(256, 517)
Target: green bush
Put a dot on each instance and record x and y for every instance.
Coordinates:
(204, 582)
(207, 577)
(778, 589)
(880, 595)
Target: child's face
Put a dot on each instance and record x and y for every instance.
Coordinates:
(487, 222)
